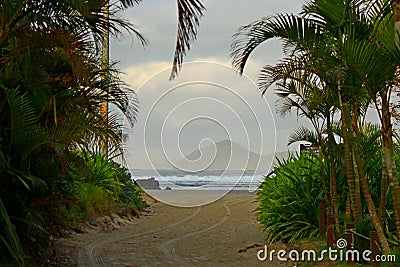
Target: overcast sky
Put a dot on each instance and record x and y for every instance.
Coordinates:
(208, 102)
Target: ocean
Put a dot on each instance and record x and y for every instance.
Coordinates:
(205, 180)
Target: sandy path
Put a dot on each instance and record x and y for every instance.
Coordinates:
(210, 235)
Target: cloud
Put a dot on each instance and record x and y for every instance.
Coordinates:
(147, 71)
(137, 75)
(205, 89)
(157, 21)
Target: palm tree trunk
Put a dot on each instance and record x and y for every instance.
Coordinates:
(371, 206)
(332, 174)
(359, 167)
(346, 122)
(382, 201)
(322, 167)
(348, 206)
(105, 59)
(396, 11)
(387, 140)
(353, 132)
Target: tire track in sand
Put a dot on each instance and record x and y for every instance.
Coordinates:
(164, 246)
(90, 257)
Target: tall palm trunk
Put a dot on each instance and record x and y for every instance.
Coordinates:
(382, 200)
(353, 131)
(355, 200)
(387, 140)
(105, 59)
(332, 174)
(322, 167)
(370, 204)
(367, 194)
(396, 11)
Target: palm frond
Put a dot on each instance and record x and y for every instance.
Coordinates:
(189, 14)
(303, 134)
(53, 21)
(366, 59)
(11, 240)
(22, 114)
(291, 28)
(289, 68)
(129, 3)
(380, 10)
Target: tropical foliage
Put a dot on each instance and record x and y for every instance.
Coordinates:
(289, 198)
(52, 128)
(97, 186)
(341, 61)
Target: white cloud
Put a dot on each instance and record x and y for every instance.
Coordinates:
(137, 75)
(147, 71)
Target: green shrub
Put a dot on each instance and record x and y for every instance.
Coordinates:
(100, 171)
(9, 240)
(72, 215)
(99, 185)
(288, 200)
(131, 193)
(92, 199)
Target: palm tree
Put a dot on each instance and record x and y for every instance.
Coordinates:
(189, 13)
(52, 84)
(320, 34)
(299, 33)
(384, 55)
(299, 90)
(76, 29)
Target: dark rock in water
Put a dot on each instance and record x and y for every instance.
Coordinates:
(149, 184)
(168, 188)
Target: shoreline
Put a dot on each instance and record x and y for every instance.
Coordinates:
(193, 197)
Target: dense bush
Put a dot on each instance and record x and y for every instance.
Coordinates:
(131, 193)
(9, 238)
(98, 186)
(53, 83)
(91, 186)
(289, 197)
(288, 200)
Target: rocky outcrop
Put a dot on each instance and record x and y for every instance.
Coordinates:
(149, 184)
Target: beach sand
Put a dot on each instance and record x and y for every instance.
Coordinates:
(222, 233)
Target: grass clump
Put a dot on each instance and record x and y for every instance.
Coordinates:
(288, 200)
(100, 186)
